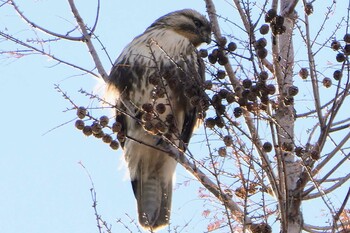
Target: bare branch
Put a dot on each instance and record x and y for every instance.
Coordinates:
(88, 41)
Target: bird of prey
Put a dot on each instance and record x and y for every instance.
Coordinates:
(161, 77)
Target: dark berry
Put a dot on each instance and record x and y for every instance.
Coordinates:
(237, 112)
(147, 107)
(263, 76)
(261, 43)
(309, 9)
(114, 145)
(267, 146)
(79, 124)
(262, 53)
(104, 120)
(303, 73)
(347, 38)
(81, 112)
(160, 108)
(347, 49)
(212, 59)
(228, 140)
(210, 123)
(293, 90)
(221, 74)
(116, 127)
(264, 29)
(271, 89)
(270, 15)
(203, 53)
(340, 57)
(327, 82)
(247, 83)
(337, 75)
(335, 45)
(231, 46)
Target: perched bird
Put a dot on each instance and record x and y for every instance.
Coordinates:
(160, 75)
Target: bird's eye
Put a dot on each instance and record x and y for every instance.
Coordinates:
(197, 23)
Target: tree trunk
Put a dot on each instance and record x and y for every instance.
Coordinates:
(289, 168)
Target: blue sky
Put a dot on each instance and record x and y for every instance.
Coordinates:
(42, 186)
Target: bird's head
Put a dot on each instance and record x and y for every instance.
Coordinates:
(188, 23)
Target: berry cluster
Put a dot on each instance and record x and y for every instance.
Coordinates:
(98, 127)
(276, 22)
(342, 55)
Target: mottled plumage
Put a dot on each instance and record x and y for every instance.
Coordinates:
(160, 74)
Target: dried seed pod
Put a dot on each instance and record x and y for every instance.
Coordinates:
(232, 46)
(337, 75)
(147, 107)
(81, 112)
(96, 127)
(87, 130)
(263, 76)
(160, 108)
(303, 73)
(228, 140)
(221, 74)
(260, 43)
(114, 145)
(107, 138)
(104, 120)
(340, 57)
(212, 59)
(247, 83)
(223, 93)
(261, 53)
(230, 98)
(264, 29)
(99, 135)
(222, 41)
(293, 90)
(347, 38)
(267, 147)
(147, 116)
(219, 122)
(222, 60)
(327, 82)
(271, 89)
(220, 109)
(222, 151)
(335, 45)
(210, 122)
(121, 136)
(116, 127)
(288, 101)
(270, 15)
(261, 228)
(237, 112)
(309, 9)
(79, 124)
(208, 84)
(203, 53)
(347, 49)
